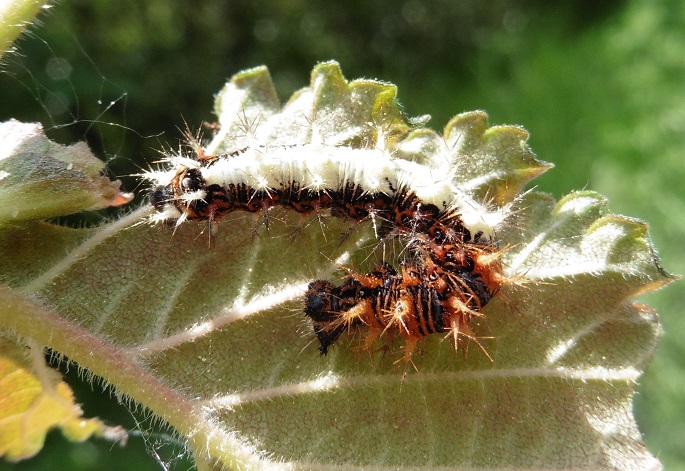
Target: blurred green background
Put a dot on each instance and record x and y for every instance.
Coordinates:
(599, 85)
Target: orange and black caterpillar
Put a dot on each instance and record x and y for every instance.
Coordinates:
(440, 289)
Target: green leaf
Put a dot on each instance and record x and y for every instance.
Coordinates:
(41, 179)
(205, 327)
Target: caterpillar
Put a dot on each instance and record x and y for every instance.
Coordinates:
(451, 271)
(439, 290)
(352, 183)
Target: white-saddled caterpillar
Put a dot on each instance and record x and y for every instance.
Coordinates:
(353, 183)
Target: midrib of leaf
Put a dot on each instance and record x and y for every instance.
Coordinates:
(115, 365)
(131, 378)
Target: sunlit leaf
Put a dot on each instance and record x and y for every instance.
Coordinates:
(41, 179)
(205, 327)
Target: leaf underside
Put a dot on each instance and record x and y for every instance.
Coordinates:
(205, 326)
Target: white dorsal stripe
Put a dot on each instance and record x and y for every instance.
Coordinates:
(321, 167)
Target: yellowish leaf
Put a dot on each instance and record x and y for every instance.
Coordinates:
(34, 399)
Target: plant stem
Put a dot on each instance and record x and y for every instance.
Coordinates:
(32, 320)
(15, 16)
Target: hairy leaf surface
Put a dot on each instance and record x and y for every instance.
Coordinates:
(204, 326)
